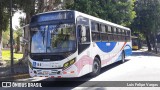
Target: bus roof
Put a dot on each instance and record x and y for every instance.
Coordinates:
(101, 20)
(88, 16)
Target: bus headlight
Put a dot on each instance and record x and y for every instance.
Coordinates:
(69, 63)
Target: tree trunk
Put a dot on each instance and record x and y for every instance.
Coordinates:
(148, 43)
(25, 47)
(0, 44)
(18, 44)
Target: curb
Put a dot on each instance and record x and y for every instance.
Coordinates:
(151, 52)
(21, 76)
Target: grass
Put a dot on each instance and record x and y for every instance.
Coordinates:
(6, 56)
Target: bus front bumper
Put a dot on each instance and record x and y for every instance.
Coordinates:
(53, 73)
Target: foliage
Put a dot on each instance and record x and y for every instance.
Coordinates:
(6, 55)
(27, 6)
(18, 31)
(4, 15)
(4, 19)
(120, 12)
(6, 38)
(31, 7)
(148, 19)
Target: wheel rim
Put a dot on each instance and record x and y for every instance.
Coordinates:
(95, 67)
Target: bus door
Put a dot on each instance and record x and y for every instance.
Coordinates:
(83, 35)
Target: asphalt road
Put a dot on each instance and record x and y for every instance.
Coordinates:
(141, 66)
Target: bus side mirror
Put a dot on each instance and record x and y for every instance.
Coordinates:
(83, 33)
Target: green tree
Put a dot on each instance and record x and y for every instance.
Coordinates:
(148, 19)
(4, 19)
(32, 7)
(120, 12)
(18, 32)
(5, 38)
(27, 6)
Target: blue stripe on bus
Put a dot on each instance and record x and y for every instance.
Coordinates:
(128, 46)
(128, 51)
(103, 46)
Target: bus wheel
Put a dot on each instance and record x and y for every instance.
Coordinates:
(96, 67)
(123, 57)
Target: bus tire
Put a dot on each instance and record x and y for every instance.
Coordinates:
(123, 57)
(96, 68)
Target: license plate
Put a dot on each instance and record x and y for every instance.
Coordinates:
(45, 72)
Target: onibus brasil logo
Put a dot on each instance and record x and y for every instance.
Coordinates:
(20, 84)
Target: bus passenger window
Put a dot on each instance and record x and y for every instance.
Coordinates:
(87, 34)
(103, 28)
(103, 33)
(97, 27)
(106, 27)
(122, 35)
(95, 31)
(92, 26)
(112, 30)
(115, 34)
(109, 29)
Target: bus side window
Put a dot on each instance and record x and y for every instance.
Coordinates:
(115, 34)
(95, 31)
(118, 34)
(106, 28)
(79, 34)
(87, 34)
(106, 32)
(103, 33)
(92, 26)
(112, 34)
(128, 36)
(109, 33)
(123, 35)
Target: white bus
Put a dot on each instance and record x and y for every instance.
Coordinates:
(68, 43)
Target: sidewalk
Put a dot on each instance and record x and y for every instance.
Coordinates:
(20, 71)
(14, 77)
(150, 52)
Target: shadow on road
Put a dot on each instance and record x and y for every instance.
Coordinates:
(70, 83)
(142, 53)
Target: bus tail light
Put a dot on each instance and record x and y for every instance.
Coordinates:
(59, 76)
(52, 76)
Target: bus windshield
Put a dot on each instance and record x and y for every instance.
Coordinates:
(53, 38)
